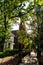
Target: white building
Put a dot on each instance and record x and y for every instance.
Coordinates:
(15, 27)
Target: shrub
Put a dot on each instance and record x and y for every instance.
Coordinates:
(8, 53)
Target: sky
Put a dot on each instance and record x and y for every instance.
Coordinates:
(26, 4)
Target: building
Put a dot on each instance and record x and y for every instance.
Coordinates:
(13, 42)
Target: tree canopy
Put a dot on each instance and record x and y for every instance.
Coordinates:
(14, 9)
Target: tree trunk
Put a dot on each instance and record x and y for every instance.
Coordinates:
(20, 53)
(39, 57)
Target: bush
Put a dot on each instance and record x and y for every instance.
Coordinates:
(8, 53)
(1, 55)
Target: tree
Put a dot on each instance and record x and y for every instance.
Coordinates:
(8, 12)
(36, 13)
(36, 24)
(39, 29)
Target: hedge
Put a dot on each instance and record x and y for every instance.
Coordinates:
(8, 53)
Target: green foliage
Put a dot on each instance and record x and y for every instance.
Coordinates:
(9, 9)
(22, 39)
(8, 53)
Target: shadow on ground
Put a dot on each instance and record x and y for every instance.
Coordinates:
(28, 64)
